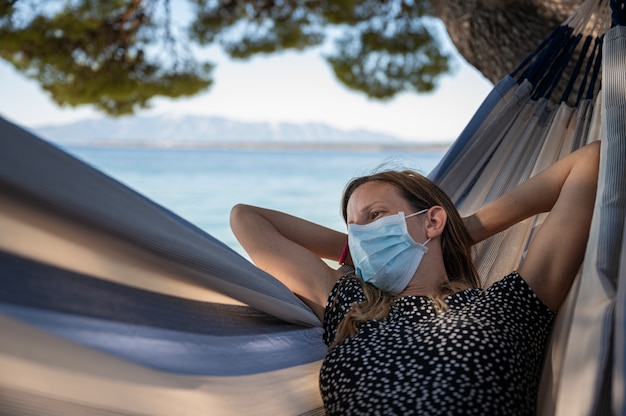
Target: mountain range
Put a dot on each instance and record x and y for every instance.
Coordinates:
(205, 131)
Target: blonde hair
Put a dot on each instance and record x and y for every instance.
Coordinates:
(456, 245)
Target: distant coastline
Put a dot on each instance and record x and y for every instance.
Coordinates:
(373, 147)
(193, 132)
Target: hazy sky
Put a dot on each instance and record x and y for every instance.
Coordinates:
(291, 87)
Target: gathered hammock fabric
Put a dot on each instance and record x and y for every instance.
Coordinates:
(112, 305)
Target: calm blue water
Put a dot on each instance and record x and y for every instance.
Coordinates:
(203, 185)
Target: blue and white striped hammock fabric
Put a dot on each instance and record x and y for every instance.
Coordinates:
(102, 279)
(110, 304)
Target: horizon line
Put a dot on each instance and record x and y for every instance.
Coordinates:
(251, 145)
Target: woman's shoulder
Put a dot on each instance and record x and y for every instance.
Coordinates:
(513, 289)
(512, 283)
(347, 290)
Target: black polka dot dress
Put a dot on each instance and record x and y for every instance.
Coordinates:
(481, 357)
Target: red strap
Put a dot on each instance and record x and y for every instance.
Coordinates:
(344, 254)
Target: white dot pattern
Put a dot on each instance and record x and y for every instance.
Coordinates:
(481, 357)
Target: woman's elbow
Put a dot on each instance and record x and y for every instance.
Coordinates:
(238, 214)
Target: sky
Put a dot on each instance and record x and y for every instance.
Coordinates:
(297, 87)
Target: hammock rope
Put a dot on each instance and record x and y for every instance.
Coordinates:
(546, 67)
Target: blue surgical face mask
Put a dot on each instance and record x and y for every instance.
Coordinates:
(383, 252)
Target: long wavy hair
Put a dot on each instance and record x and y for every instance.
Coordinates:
(420, 193)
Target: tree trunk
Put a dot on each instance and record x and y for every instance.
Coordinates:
(495, 35)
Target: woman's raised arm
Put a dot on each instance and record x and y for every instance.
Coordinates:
(290, 249)
(567, 190)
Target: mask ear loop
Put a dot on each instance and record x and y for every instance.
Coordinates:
(416, 213)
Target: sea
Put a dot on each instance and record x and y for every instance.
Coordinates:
(202, 185)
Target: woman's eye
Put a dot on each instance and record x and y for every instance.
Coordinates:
(375, 214)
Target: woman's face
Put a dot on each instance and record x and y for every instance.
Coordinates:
(374, 200)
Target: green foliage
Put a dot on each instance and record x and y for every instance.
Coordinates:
(382, 74)
(117, 54)
(389, 53)
(246, 28)
(96, 52)
(387, 46)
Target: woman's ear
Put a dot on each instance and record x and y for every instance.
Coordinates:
(436, 219)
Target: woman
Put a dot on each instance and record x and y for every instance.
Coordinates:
(413, 333)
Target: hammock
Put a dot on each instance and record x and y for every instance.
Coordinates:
(110, 304)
